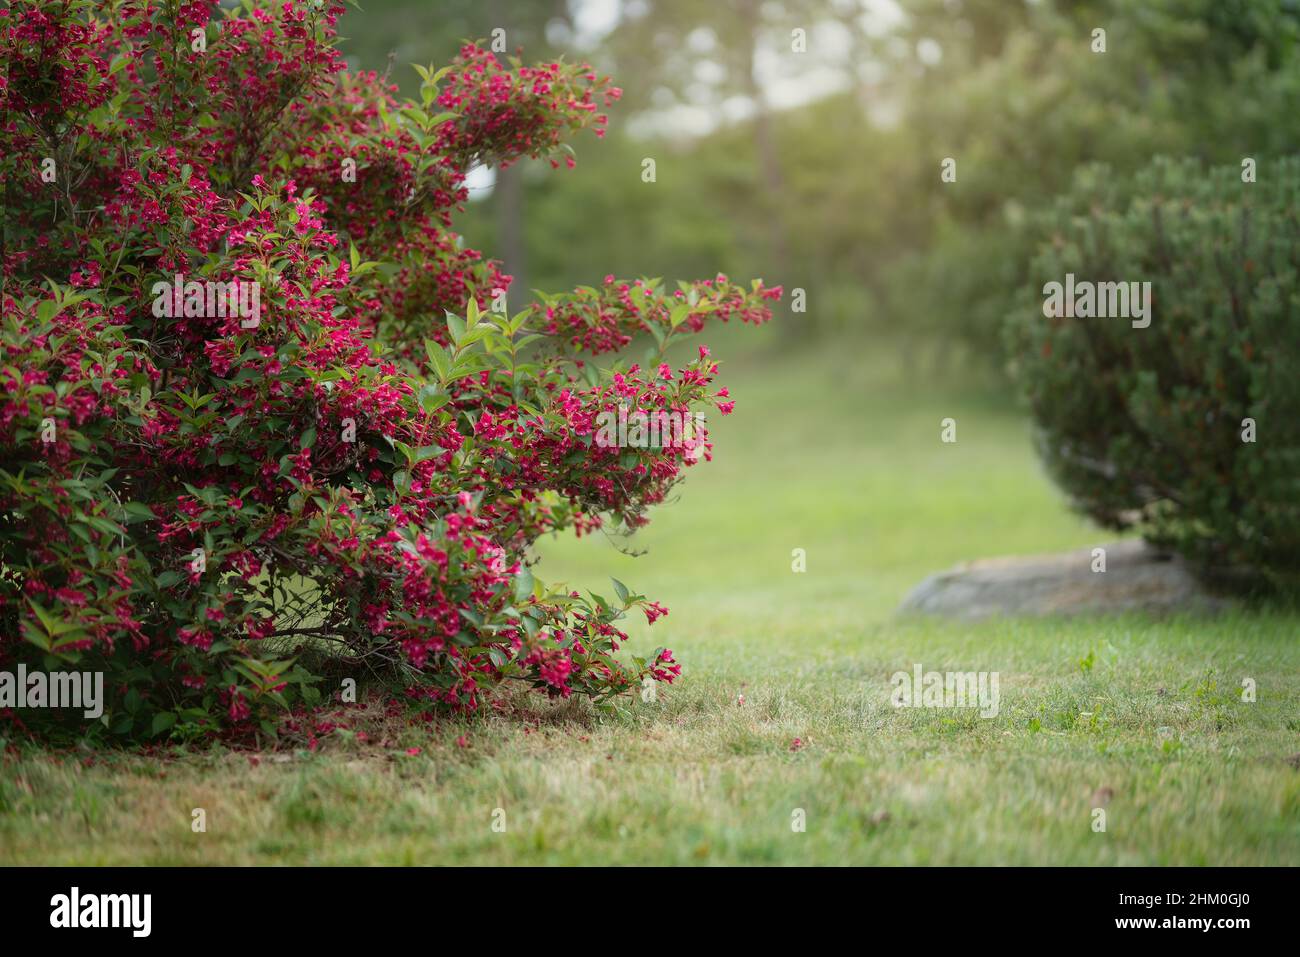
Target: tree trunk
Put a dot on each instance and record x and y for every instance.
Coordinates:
(769, 169)
(510, 226)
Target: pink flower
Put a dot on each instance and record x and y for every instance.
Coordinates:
(654, 611)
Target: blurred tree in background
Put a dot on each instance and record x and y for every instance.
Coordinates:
(391, 35)
(802, 140)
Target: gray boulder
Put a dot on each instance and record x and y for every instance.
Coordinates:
(1137, 577)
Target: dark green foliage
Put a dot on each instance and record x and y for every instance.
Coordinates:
(1143, 427)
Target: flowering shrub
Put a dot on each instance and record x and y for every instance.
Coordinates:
(220, 506)
(1182, 424)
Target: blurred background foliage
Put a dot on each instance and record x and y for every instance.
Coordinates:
(821, 169)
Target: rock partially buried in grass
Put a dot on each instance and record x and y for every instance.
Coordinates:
(1136, 577)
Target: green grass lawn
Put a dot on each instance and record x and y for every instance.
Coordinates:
(838, 454)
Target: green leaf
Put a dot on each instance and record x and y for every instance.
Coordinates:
(432, 398)
(162, 721)
(137, 512)
(438, 358)
(456, 326)
(523, 585)
(474, 334)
